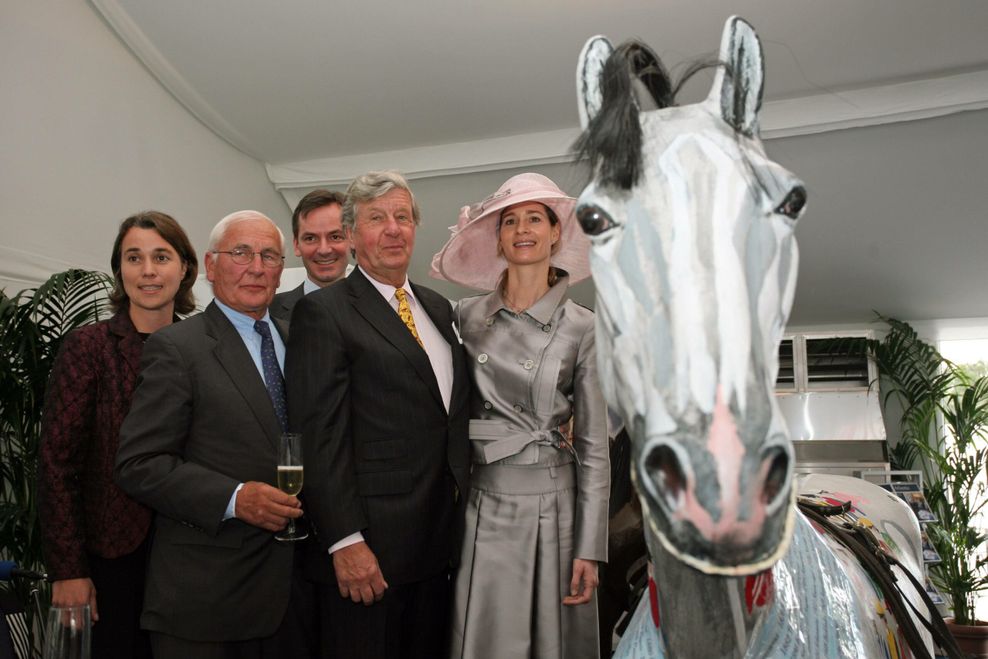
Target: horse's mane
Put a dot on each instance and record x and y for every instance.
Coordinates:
(632, 79)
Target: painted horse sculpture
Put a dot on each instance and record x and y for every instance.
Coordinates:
(694, 262)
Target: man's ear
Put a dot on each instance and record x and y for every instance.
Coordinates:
(210, 265)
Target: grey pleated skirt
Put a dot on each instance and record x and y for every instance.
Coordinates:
(515, 568)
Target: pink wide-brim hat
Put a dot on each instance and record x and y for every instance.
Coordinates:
(470, 256)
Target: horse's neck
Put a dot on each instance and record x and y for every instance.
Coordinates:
(701, 616)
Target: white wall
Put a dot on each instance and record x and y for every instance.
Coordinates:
(88, 136)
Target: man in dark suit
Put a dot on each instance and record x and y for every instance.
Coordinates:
(200, 447)
(318, 237)
(378, 385)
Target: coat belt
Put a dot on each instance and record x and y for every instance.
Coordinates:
(496, 440)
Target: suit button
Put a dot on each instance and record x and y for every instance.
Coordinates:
(528, 364)
(482, 358)
(518, 408)
(488, 405)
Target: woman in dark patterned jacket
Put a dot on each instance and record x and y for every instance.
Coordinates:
(93, 535)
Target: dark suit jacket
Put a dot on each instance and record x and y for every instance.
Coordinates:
(283, 303)
(382, 455)
(89, 392)
(202, 422)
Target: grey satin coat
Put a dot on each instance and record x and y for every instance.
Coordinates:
(531, 509)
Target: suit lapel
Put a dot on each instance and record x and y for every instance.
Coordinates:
(282, 327)
(289, 301)
(439, 311)
(370, 304)
(233, 356)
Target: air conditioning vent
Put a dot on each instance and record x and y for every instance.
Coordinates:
(834, 417)
(824, 363)
(787, 367)
(830, 365)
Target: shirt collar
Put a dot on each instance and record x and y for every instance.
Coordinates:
(387, 291)
(241, 321)
(541, 311)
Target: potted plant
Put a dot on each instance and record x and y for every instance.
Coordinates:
(32, 325)
(944, 423)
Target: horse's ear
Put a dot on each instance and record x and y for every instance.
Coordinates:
(592, 58)
(738, 89)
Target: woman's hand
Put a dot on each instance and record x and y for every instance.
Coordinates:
(73, 592)
(583, 583)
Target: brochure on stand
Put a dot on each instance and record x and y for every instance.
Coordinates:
(930, 554)
(908, 486)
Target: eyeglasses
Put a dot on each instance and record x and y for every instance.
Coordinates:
(245, 255)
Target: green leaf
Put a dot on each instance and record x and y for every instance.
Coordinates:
(944, 421)
(32, 325)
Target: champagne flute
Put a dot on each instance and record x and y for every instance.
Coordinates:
(290, 479)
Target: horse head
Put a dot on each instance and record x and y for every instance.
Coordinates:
(694, 262)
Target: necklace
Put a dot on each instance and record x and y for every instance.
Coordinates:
(514, 306)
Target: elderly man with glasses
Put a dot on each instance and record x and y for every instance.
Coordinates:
(200, 447)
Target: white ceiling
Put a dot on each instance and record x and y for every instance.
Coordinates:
(320, 91)
(305, 79)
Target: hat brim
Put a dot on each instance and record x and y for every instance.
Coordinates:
(470, 258)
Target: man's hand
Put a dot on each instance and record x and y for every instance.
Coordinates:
(358, 574)
(265, 506)
(73, 592)
(583, 583)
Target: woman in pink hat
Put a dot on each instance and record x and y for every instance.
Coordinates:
(536, 522)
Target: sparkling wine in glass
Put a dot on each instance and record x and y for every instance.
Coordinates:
(290, 473)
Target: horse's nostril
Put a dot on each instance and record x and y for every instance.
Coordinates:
(666, 473)
(775, 478)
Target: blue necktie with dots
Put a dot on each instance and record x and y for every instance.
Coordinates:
(273, 379)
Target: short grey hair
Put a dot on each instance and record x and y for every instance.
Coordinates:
(370, 186)
(219, 231)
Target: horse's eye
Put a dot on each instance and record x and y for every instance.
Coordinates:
(593, 220)
(793, 204)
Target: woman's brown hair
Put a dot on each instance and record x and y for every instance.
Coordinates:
(174, 235)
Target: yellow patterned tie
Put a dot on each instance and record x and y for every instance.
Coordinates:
(405, 313)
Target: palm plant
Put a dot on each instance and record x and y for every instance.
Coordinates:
(944, 423)
(32, 325)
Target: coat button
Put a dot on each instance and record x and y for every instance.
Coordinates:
(482, 358)
(518, 408)
(488, 405)
(547, 328)
(528, 364)
(490, 321)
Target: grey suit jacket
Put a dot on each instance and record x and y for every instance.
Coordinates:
(201, 422)
(283, 303)
(382, 455)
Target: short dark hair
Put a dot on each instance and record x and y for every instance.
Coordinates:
(174, 235)
(312, 201)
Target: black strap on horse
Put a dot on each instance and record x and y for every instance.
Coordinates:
(878, 563)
